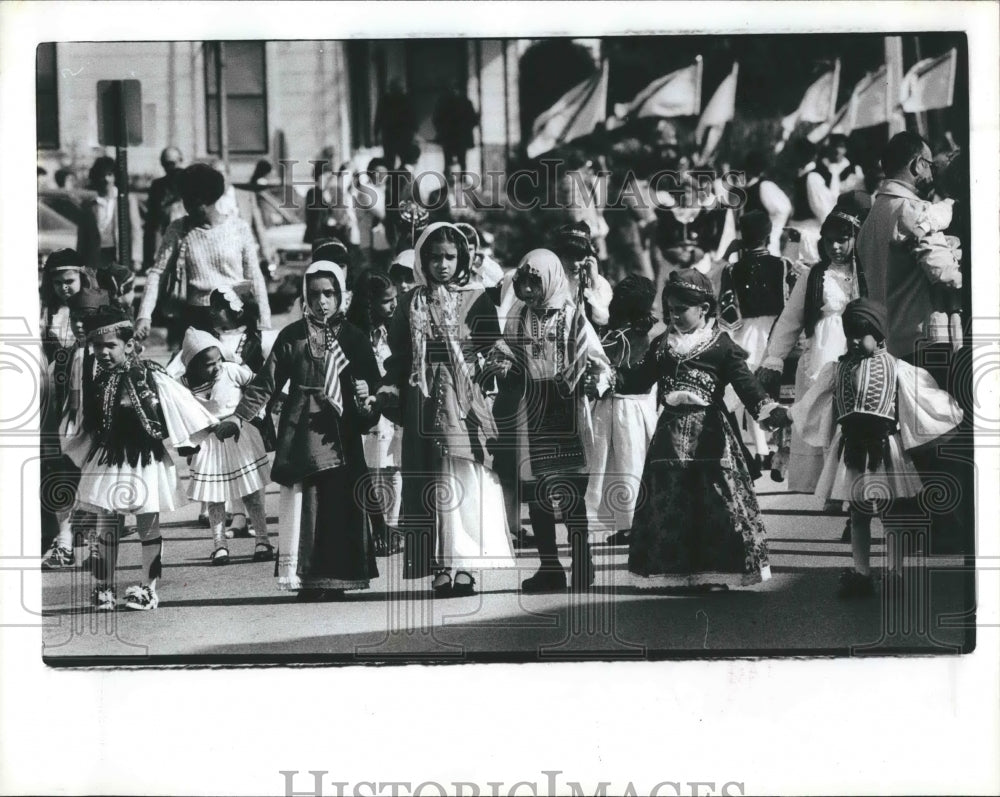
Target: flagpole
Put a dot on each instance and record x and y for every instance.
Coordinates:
(697, 92)
(894, 77)
(921, 115)
(835, 89)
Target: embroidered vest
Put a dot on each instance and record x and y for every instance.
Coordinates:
(866, 386)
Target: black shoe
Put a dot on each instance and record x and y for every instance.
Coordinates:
(442, 589)
(619, 537)
(846, 535)
(524, 540)
(855, 585)
(777, 475)
(545, 581)
(309, 595)
(465, 587)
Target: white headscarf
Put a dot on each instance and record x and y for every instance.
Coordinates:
(335, 361)
(195, 342)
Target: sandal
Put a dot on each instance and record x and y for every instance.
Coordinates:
(263, 552)
(443, 589)
(220, 556)
(463, 588)
(242, 532)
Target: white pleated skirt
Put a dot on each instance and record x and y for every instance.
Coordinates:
(895, 478)
(127, 490)
(227, 470)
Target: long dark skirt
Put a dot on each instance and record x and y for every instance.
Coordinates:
(698, 512)
(324, 538)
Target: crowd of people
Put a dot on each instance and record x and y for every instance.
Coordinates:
(604, 379)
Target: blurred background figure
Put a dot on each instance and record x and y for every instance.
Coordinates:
(455, 121)
(395, 123)
(164, 204)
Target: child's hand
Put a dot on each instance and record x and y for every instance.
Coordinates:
(387, 396)
(361, 389)
(228, 428)
(778, 418)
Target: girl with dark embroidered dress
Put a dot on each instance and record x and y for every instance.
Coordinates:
(867, 410)
(699, 518)
(131, 411)
(324, 545)
(453, 516)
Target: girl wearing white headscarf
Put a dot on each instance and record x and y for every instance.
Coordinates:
(324, 545)
(453, 514)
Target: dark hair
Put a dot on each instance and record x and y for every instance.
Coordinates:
(375, 163)
(398, 273)
(248, 316)
(854, 326)
(62, 175)
(411, 153)
(464, 269)
(102, 167)
(202, 185)
(901, 149)
(369, 287)
(58, 259)
(687, 296)
(107, 315)
(632, 304)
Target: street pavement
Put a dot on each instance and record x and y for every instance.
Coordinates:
(235, 613)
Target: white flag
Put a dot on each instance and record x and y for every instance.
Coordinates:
(839, 124)
(869, 100)
(818, 103)
(720, 109)
(575, 114)
(676, 94)
(929, 84)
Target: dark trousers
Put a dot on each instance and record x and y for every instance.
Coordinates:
(569, 490)
(456, 152)
(948, 462)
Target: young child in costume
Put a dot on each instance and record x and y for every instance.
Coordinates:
(453, 515)
(623, 422)
(64, 275)
(550, 363)
(63, 418)
(225, 470)
(131, 412)
(867, 410)
(752, 296)
(119, 282)
(941, 254)
(324, 545)
(373, 304)
(699, 518)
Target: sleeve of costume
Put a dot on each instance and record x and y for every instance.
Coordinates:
(925, 411)
(484, 326)
(598, 297)
(363, 366)
(788, 327)
(748, 389)
(776, 203)
(821, 199)
(399, 363)
(598, 363)
(188, 422)
(166, 256)
(241, 374)
(641, 377)
(252, 272)
(175, 368)
(812, 414)
(269, 379)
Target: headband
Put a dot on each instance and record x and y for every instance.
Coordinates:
(109, 328)
(852, 220)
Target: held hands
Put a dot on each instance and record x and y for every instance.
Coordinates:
(778, 419)
(142, 328)
(387, 396)
(230, 427)
(770, 380)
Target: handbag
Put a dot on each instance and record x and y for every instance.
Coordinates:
(173, 282)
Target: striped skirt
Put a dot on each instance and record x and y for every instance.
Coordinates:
(226, 470)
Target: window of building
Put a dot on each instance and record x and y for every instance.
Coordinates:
(245, 80)
(46, 97)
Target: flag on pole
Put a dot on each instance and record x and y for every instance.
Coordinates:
(575, 114)
(839, 124)
(930, 84)
(676, 94)
(720, 109)
(869, 105)
(818, 103)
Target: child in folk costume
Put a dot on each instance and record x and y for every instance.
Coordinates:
(623, 423)
(868, 409)
(131, 411)
(63, 417)
(64, 275)
(373, 304)
(225, 470)
(453, 516)
(549, 361)
(752, 296)
(324, 546)
(119, 282)
(699, 516)
(813, 310)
